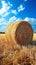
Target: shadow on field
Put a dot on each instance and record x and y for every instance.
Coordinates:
(33, 42)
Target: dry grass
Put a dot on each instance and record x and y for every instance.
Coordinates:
(20, 56)
(3, 38)
(23, 56)
(34, 37)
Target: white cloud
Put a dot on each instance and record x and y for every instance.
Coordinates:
(3, 24)
(4, 8)
(13, 19)
(2, 21)
(10, 4)
(20, 8)
(18, 19)
(31, 20)
(14, 11)
(5, 14)
(27, 19)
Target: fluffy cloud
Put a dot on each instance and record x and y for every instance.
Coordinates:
(4, 8)
(5, 14)
(13, 19)
(3, 24)
(14, 11)
(10, 4)
(7, 6)
(26, 19)
(20, 8)
(2, 21)
(18, 19)
(31, 20)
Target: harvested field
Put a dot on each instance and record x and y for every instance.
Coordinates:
(34, 37)
(18, 55)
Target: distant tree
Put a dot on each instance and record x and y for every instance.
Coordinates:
(2, 32)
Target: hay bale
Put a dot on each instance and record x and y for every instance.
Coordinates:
(25, 33)
(21, 32)
(7, 33)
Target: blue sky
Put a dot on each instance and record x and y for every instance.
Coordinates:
(14, 10)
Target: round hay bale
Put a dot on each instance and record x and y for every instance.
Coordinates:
(21, 32)
(8, 37)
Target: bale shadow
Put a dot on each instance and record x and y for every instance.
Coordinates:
(34, 43)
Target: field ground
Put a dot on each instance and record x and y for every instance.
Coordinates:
(31, 50)
(34, 37)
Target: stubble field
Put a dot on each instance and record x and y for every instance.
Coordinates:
(26, 52)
